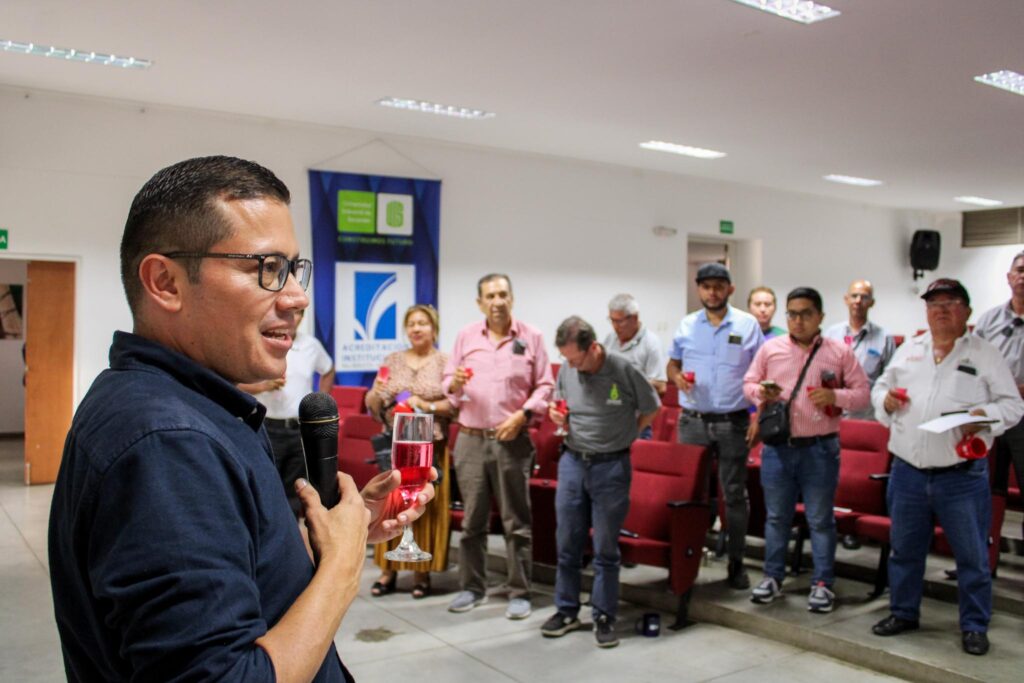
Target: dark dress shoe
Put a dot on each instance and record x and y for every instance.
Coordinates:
(851, 542)
(738, 578)
(893, 626)
(975, 643)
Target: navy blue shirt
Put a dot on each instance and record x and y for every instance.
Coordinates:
(172, 546)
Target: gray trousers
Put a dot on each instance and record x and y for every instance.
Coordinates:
(729, 442)
(488, 469)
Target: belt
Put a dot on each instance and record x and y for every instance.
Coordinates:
(483, 433)
(716, 417)
(591, 456)
(966, 464)
(804, 441)
(286, 423)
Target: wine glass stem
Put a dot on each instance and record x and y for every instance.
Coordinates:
(407, 542)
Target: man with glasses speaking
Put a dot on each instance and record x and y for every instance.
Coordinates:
(173, 552)
(816, 378)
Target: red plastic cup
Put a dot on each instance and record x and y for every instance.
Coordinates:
(690, 376)
(384, 373)
(901, 393)
(971, 448)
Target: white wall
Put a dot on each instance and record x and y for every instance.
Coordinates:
(12, 368)
(571, 234)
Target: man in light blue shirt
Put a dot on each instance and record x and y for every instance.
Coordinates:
(710, 353)
(871, 344)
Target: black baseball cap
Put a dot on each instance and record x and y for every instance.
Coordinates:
(713, 271)
(947, 285)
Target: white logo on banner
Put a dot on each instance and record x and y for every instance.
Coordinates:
(371, 299)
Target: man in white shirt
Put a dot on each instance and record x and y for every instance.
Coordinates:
(943, 371)
(282, 397)
(637, 344)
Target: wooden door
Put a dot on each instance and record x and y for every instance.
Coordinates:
(49, 361)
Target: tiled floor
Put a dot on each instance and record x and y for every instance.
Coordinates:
(395, 637)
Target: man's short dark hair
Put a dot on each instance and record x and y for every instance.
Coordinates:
(806, 293)
(176, 210)
(490, 277)
(576, 330)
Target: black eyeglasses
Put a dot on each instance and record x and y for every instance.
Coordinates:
(274, 268)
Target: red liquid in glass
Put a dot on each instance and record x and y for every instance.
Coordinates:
(562, 406)
(384, 373)
(901, 393)
(690, 376)
(469, 373)
(413, 460)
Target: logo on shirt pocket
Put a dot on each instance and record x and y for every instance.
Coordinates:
(614, 398)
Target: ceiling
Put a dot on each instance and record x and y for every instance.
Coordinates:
(884, 91)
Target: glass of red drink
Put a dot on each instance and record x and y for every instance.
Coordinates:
(562, 406)
(412, 454)
(384, 373)
(901, 393)
(690, 376)
(469, 376)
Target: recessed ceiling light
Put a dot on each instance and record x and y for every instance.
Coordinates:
(803, 11)
(699, 152)
(434, 108)
(73, 55)
(978, 201)
(1005, 80)
(852, 180)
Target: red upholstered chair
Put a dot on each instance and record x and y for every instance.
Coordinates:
(863, 451)
(350, 400)
(671, 396)
(666, 423)
(356, 456)
(542, 491)
(668, 513)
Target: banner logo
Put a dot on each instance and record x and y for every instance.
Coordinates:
(369, 213)
(371, 299)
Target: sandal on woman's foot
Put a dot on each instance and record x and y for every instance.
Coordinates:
(421, 590)
(380, 588)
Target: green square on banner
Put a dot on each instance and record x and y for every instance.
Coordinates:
(357, 211)
(3, 238)
(725, 227)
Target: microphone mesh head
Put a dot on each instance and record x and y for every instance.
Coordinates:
(320, 408)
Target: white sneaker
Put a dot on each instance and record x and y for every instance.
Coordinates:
(821, 598)
(518, 608)
(766, 591)
(465, 601)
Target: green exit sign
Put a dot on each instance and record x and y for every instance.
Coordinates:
(725, 227)
(3, 238)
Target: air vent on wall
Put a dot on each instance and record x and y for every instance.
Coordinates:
(992, 227)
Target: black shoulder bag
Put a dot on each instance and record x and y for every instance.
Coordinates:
(773, 421)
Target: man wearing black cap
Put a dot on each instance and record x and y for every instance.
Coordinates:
(943, 371)
(1003, 327)
(711, 351)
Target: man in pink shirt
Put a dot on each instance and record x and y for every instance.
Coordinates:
(808, 463)
(498, 376)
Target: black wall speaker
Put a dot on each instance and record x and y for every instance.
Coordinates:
(924, 251)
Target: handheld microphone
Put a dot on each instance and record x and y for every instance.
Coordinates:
(318, 428)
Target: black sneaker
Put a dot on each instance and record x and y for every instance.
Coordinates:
(738, 578)
(558, 625)
(604, 631)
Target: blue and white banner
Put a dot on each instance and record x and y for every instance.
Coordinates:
(375, 253)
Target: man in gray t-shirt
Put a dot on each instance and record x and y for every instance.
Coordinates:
(608, 402)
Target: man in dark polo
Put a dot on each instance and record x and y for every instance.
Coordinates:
(609, 403)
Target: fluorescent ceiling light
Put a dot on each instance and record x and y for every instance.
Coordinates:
(73, 55)
(803, 11)
(700, 153)
(978, 201)
(1006, 80)
(852, 180)
(434, 108)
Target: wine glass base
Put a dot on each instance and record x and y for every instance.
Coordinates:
(402, 555)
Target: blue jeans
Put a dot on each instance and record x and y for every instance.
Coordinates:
(590, 494)
(962, 502)
(787, 472)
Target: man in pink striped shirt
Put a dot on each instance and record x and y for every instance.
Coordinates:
(808, 463)
(498, 376)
